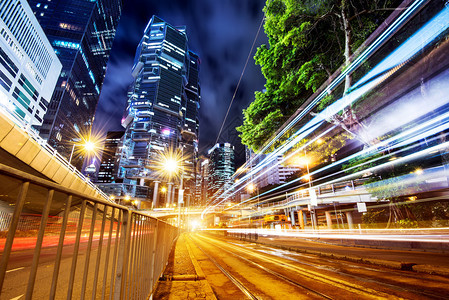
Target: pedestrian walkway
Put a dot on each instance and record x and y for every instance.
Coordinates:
(183, 277)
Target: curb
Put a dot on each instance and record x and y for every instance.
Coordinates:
(430, 269)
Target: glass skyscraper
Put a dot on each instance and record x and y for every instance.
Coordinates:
(81, 33)
(162, 110)
(221, 168)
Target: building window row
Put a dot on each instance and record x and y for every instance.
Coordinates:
(9, 65)
(15, 18)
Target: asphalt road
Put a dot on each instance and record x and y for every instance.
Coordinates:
(19, 267)
(270, 273)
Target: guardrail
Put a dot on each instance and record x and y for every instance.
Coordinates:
(81, 247)
(320, 190)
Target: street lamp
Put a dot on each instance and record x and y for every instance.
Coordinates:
(87, 146)
(172, 166)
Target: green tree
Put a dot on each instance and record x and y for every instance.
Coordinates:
(308, 41)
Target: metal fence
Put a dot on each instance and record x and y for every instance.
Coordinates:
(73, 246)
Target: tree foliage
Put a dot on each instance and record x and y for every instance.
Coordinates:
(308, 41)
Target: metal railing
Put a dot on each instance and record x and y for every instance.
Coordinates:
(80, 247)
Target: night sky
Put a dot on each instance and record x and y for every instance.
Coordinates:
(220, 31)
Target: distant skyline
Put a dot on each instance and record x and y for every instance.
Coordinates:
(220, 32)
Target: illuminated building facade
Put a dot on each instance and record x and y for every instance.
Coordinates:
(29, 68)
(107, 170)
(81, 33)
(221, 168)
(162, 110)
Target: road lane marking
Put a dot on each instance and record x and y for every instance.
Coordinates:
(12, 270)
(17, 298)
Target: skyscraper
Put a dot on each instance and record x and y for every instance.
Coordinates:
(162, 111)
(29, 67)
(108, 164)
(81, 33)
(221, 168)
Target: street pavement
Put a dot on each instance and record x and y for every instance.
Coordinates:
(183, 278)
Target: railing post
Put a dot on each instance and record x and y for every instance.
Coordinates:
(115, 255)
(12, 231)
(122, 263)
(75, 250)
(54, 281)
(89, 249)
(108, 251)
(100, 248)
(38, 247)
(153, 259)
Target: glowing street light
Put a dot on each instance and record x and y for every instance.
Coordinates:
(251, 187)
(88, 146)
(171, 166)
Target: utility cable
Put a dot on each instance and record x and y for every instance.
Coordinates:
(240, 79)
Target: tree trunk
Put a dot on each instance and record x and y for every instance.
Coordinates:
(348, 40)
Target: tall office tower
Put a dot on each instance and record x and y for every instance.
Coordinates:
(107, 170)
(29, 68)
(221, 169)
(202, 175)
(162, 112)
(81, 33)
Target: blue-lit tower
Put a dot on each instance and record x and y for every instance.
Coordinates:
(162, 110)
(221, 168)
(81, 33)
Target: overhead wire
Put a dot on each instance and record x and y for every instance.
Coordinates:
(240, 79)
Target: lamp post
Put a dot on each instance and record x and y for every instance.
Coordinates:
(309, 179)
(172, 166)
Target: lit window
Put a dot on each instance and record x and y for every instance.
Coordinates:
(46, 6)
(42, 14)
(38, 5)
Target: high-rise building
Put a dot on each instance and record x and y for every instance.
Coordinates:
(202, 181)
(108, 166)
(221, 169)
(81, 33)
(162, 111)
(276, 172)
(29, 68)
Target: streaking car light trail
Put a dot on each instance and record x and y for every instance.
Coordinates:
(388, 235)
(404, 17)
(425, 35)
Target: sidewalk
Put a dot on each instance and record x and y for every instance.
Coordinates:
(183, 277)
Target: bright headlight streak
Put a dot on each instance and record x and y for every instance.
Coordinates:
(354, 65)
(408, 141)
(409, 48)
(396, 235)
(390, 142)
(394, 162)
(268, 169)
(266, 162)
(428, 32)
(403, 53)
